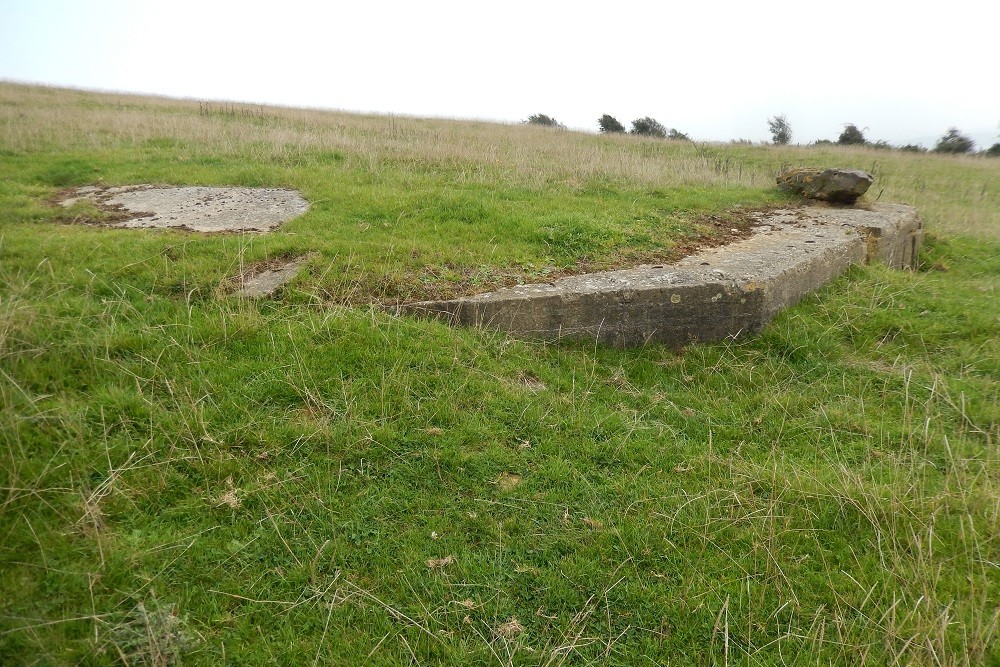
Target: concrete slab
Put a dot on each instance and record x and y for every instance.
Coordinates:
(200, 209)
(715, 294)
(264, 283)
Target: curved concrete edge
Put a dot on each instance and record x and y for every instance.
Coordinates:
(716, 294)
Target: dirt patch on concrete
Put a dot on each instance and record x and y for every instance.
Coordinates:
(197, 209)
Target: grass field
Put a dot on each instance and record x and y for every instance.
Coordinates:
(190, 478)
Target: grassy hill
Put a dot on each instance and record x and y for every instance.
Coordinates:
(191, 478)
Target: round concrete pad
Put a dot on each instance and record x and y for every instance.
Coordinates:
(203, 209)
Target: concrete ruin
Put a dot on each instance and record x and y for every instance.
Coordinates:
(199, 209)
(718, 293)
(264, 283)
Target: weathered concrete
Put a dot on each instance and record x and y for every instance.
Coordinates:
(199, 209)
(265, 283)
(716, 294)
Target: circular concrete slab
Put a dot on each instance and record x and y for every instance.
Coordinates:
(200, 209)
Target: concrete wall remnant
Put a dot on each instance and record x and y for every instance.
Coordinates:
(718, 293)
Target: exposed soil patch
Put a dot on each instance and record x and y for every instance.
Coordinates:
(196, 209)
(509, 480)
(102, 213)
(531, 381)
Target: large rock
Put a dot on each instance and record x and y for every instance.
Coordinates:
(841, 186)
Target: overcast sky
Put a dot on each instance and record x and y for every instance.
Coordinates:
(907, 71)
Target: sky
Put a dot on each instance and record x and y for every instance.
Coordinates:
(717, 70)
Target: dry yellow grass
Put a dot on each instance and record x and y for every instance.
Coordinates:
(955, 194)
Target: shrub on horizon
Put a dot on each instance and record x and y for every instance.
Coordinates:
(542, 119)
(993, 151)
(954, 142)
(851, 136)
(677, 135)
(608, 124)
(648, 127)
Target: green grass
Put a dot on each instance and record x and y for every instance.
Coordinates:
(189, 478)
(388, 235)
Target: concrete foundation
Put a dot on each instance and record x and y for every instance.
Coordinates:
(718, 293)
(198, 209)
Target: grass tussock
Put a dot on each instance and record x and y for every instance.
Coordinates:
(192, 478)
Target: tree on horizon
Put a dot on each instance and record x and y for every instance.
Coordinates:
(608, 124)
(542, 119)
(954, 142)
(851, 136)
(648, 127)
(781, 130)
